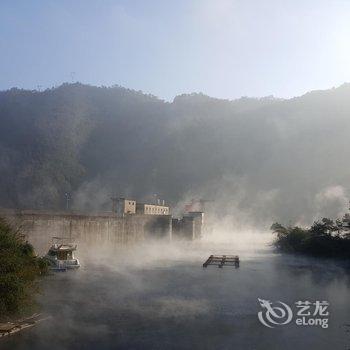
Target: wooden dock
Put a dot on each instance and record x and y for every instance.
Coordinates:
(10, 328)
(222, 260)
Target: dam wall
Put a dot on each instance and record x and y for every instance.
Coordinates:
(101, 229)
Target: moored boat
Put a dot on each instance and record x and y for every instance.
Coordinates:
(61, 255)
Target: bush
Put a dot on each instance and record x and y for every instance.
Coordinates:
(321, 239)
(19, 269)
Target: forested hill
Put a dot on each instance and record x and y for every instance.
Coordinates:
(256, 157)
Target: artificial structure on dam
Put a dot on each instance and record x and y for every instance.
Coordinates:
(128, 222)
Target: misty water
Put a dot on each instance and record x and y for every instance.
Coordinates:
(158, 296)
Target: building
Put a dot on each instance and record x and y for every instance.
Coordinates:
(122, 206)
(159, 218)
(198, 220)
(189, 227)
(152, 209)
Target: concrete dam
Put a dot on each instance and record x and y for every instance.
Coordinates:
(39, 227)
(109, 229)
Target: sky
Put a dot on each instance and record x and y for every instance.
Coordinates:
(223, 48)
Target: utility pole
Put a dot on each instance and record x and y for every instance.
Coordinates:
(72, 76)
(68, 198)
(155, 195)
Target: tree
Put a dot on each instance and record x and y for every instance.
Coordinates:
(323, 228)
(318, 240)
(19, 269)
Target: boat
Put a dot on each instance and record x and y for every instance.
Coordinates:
(60, 256)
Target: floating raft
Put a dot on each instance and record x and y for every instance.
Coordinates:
(221, 260)
(10, 328)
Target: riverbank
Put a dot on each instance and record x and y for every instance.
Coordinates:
(11, 328)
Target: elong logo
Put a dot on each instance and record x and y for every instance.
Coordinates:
(274, 315)
(279, 313)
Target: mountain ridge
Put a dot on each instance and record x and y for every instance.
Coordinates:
(97, 141)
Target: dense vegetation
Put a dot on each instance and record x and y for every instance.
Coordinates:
(321, 239)
(19, 270)
(258, 156)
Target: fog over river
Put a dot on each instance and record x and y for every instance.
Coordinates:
(158, 296)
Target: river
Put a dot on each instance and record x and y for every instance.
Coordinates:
(158, 296)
